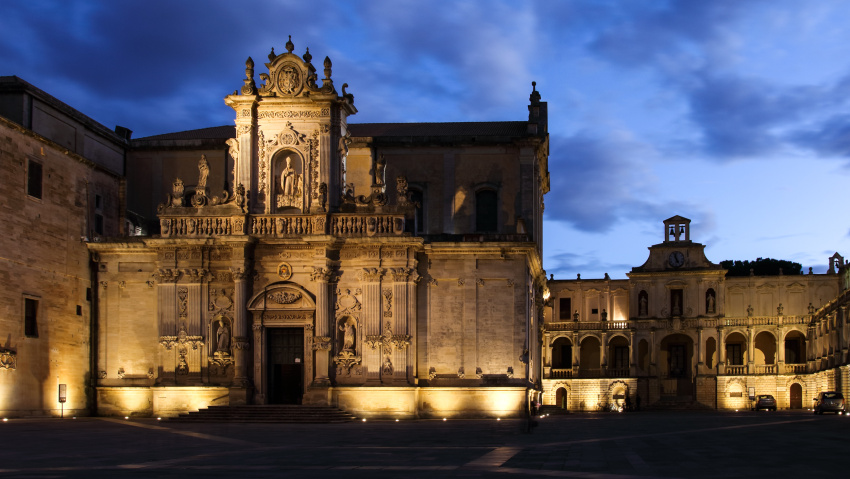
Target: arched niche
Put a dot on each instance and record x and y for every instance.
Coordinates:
(290, 182)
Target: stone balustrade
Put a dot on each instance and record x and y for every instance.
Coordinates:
(282, 226)
(643, 324)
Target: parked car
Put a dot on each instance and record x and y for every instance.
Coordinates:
(829, 401)
(766, 401)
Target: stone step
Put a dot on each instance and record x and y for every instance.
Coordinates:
(267, 413)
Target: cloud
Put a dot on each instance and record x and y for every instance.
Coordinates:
(605, 180)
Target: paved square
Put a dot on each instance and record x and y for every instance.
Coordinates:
(603, 445)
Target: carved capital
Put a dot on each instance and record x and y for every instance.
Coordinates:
(194, 275)
(373, 341)
(241, 343)
(321, 343)
(401, 341)
(371, 275)
(401, 275)
(239, 274)
(167, 275)
(321, 274)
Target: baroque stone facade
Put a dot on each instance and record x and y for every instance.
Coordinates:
(387, 269)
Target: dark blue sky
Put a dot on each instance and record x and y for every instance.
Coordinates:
(730, 112)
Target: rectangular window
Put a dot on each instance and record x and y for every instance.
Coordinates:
(594, 311)
(30, 317)
(733, 355)
(564, 309)
(34, 179)
(98, 215)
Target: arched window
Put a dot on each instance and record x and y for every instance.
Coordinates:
(486, 211)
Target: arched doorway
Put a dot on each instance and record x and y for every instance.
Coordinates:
(283, 317)
(561, 398)
(796, 399)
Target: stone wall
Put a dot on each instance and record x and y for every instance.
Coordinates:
(43, 257)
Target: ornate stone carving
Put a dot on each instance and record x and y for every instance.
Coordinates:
(373, 341)
(321, 343)
(8, 359)
(249, 87)
(121, 373)
(241, 343)
(479, 282)
(460, 372)
(239, 274)
(401, 341)
(284, 297)
(102, 374)
(345, 360)
(388, 302)
(432, 373)
(401, 275)
(347, 303)
(167, 275)
(371, 275)
(510, 372)
(479, 373)
(320, 274)
(461, 281)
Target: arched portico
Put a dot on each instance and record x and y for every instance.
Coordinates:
(283, 318)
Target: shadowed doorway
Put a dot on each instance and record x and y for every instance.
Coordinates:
(285, 365)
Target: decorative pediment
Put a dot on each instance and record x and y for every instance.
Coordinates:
(290, 76)
(676, 283)
(766, 287)
(282, 296)
(796, 287)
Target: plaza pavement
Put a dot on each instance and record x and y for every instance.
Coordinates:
(592, 445)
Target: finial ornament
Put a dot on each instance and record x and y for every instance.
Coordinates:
(272, 55)
(289, 45)
(307, 57)
(328, 66)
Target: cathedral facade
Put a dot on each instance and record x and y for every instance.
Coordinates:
(387, 269)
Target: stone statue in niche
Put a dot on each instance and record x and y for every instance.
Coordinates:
(710, 302)
(222, 336)
(349, 334)
(291, 187)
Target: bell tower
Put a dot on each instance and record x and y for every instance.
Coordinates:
(289, 150)
(677, 229)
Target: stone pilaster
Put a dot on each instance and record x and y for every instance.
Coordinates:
(322, 339)
(372, 315)
(403, 293)
(241, 338)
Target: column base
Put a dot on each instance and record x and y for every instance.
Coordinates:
(240, 396)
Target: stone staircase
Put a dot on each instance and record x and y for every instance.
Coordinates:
(278, 413)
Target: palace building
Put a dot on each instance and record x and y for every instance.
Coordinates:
(680, 333)
(387, 269)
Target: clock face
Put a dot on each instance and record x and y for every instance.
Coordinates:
(676, 259)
